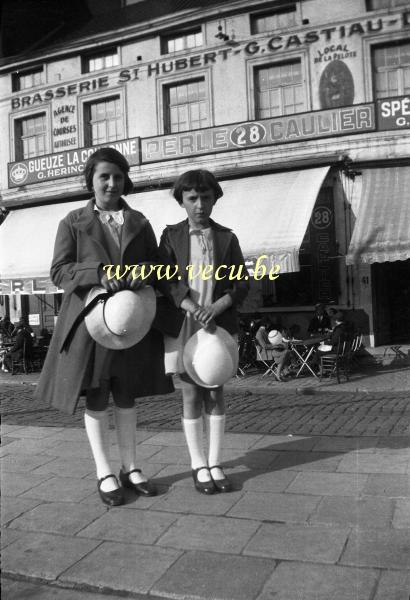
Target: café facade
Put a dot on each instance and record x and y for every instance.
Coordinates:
(302, 110)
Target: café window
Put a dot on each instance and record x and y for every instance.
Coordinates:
(377, 4)
(279, 90)
(102, 60)
(104, 121)
(31, 136)
(23, 80)
(185, 40)
(186, 106)
(274, 19)
(391, 70)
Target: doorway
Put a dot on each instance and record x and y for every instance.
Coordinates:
(391, 302)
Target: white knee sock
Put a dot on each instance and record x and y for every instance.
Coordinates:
(96, 426)
(126, 425)
(215, 427)
(193, 429)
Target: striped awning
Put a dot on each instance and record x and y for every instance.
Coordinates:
(382, 229)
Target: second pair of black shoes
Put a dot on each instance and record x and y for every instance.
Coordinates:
(213, 485)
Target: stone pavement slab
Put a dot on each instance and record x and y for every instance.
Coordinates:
(328, 484)
(394, 585)
(216, 534)
(363, 511)
(25, 590)
(137, 571)
(401, 518)
(291, 581)
(216, 576)
(389, 548)
(387, 484)
(298, 542)
(44, 556)
(58, 517)
(121, 525)
(294, 508)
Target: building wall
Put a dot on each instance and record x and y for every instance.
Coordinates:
(333, 45)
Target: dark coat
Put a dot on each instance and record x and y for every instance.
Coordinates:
(74, 358)
(22, 338)
(174, 250)
(317, 325)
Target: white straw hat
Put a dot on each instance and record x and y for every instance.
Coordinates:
(121, 320)
(211, 359)
(275, 337)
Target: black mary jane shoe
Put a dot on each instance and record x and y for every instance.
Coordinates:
(145, 488)
(222, 485)
(203, 487)
(114, 498)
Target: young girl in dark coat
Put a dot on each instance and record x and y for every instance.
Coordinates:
(105, 231)
(206, 303)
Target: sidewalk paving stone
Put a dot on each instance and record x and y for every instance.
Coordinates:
(12, 507)
(285, 442)
(20, 463)
(67, 466)
(401, 518)
(373, 463)
(137, 571)
(216, 534)
(119, 525)
(17, 590)
(345, 444)
(381, 548)
(65, 489)
(58, 517)
(43, 555)
(14, 484)
(291, 581)
(269, 506)
(307, 461)
(187, 500)
(298, 542)
(386, 484)
(8, 536)
(328, 484)
(261, 480)
(364, 512)
(393, 585)
(216, 576)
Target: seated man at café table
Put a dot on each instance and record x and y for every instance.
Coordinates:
(320, 322)
(339, 334)
(272, 346)
(22, 337)
(6, 327)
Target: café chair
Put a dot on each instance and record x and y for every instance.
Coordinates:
(265, 356)
(336, 363)
(21, 364)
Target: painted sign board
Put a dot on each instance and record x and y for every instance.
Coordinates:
(65, 164)
(277, 130)
(393, 113)
(33, 285)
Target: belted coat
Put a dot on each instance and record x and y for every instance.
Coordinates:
(73, 360)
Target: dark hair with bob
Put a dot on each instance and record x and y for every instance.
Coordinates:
(112, 156)
(197, 179)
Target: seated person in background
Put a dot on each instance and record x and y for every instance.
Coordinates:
(22, 337)
(339, 334)
(320, 322)
(6, 327)
(332, 313)
(272, 346)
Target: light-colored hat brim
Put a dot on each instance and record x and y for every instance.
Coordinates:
(197, 343)
(138, 319)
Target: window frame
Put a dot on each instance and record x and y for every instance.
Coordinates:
(85, 102)
(274, 11)
(164, 82)
(15, 78)
(395, 5)
(87, 56)
(256, 63)
(387, 39)
(166, 37)
(401, 92)
(14, 118)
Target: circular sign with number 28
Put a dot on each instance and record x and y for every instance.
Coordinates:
(248, 134)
